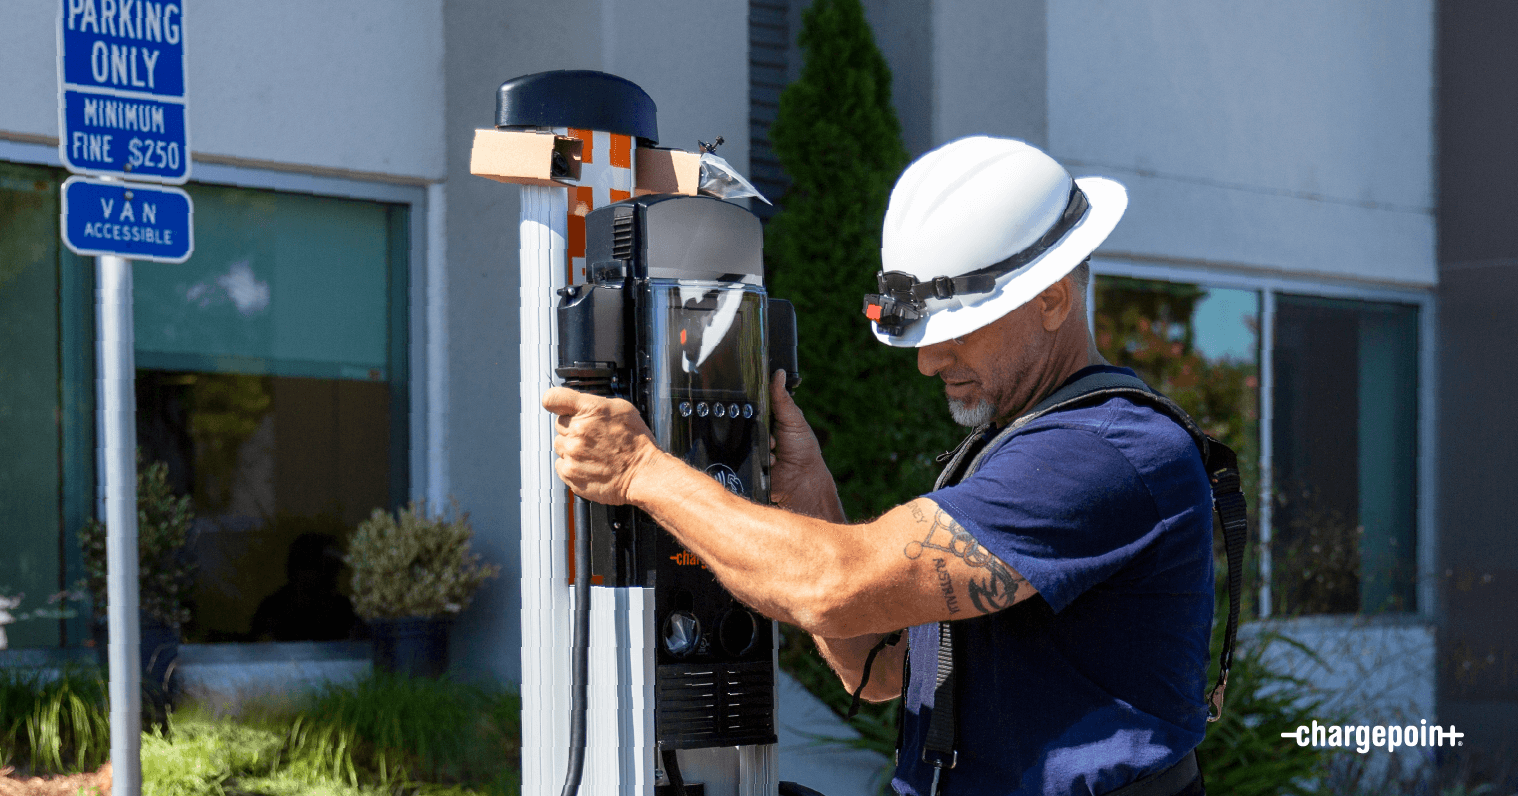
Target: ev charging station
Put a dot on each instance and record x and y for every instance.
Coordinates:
(634, 285)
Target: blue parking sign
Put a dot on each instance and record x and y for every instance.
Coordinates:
(121, 89)
(135, 221)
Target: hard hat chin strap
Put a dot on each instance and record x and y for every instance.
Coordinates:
(902, 299)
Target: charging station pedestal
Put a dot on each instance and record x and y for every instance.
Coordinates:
(572, 141)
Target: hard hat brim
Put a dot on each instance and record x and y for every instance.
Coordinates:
(962, 315)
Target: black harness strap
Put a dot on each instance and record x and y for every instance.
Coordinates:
(1221, 464)
(869, 662)
(938, 746)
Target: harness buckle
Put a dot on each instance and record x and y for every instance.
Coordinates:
(1215, 698)
(937, 761)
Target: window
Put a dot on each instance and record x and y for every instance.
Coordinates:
(1345, 456)
(1318, 394)
(271, 379)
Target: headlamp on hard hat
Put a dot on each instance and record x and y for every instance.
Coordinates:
(903, 297)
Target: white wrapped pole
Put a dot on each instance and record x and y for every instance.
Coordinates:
(545, 570)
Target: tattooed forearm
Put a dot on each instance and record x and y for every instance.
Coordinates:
(996, 590)
(946, 584)
(991, 592)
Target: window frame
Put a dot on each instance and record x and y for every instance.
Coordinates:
(1270, 286)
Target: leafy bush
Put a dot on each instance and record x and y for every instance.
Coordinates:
(203, 755)
(53, 724)
(398, 727)
(880, 422)
(414, 564)
(380, 736)
(165, 574)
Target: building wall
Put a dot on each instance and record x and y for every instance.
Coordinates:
(991, 62)
(1292, 136)
(683, 53)
(1478, 447)
(348, 85)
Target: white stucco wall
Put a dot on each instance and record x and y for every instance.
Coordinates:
(692, 58)
(351, 85)
(989, 69)
(28, 53)
(1294, 135)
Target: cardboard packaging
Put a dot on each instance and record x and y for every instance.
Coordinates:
(525, 157)
(666, 171)
(534, 158)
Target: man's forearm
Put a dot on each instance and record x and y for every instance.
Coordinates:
(786, 565)
(848, 655)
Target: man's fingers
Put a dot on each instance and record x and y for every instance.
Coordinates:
(785, 408)
(564, 401)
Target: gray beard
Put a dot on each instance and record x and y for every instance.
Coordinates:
(971, 416)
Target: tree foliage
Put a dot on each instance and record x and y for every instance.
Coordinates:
(837, 137)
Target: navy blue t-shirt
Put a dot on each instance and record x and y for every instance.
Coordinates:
(1099, 679)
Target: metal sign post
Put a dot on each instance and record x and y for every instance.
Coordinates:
(123, 117)
(118, 449)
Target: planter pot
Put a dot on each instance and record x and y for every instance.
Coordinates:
(415, 645)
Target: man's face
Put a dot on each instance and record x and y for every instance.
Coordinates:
(993, 373)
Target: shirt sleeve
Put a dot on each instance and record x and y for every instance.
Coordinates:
(1062, 506)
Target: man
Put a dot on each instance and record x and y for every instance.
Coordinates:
(1072, 559)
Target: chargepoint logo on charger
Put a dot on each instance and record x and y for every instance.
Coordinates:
(1361, 737)
(726, 477)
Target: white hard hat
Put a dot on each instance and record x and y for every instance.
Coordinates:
(975, 229)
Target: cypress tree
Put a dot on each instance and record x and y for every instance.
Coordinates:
(880, 422)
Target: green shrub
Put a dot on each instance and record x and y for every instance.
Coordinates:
(880, 422)
(54, 724)
(413, 564)
(389, 729)
(204, 755)
(165, 573)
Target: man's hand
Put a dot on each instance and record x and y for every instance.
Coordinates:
(799, 478)
(602, 443)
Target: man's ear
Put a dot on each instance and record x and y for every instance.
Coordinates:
(1056, 303)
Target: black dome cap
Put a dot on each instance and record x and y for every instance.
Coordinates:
(580, 98)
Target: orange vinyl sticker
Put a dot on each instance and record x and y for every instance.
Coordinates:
(621, 151)
(586, 151)
(581, 201)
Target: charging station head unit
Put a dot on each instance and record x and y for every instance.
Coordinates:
(674, 318)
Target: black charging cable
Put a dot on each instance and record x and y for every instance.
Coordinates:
(579, 657)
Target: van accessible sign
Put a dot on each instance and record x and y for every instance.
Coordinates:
(135, 221)
(122, 104)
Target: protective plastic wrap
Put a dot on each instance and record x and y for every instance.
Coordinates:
(720, 179)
